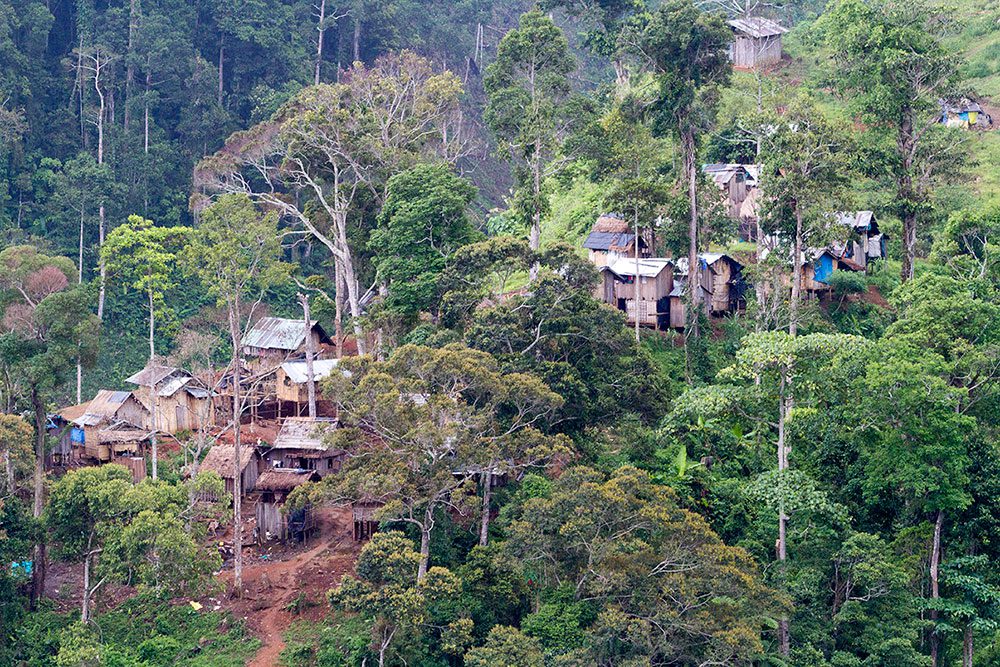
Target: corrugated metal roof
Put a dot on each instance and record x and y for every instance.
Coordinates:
(172, 385)
(154, 375)
(757, 27)
(278, 333)
(722, 173)
(305, 433)
(198, 392)
(296, 370)
(104, 405)
(860, 220)
(649, 267)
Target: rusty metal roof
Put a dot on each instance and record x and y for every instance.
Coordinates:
(279, 333)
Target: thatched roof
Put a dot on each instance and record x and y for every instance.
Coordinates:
(284, 479)
(220, 459)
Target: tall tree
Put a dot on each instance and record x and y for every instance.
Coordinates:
(528, 88)
(687, 50)
(144, 256)
(47, 326)
(891, 59)
(235, 251)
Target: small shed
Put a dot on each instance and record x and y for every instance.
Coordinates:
(110, 426)
(365, 523)
(183, 403)
(274, 487)
(273, 340)
(678, 302)
(756, 42)
(292, 380)
(735, 181)
(612, 237)
(220, 459)
(965, 114)
(641, 291)
(866, 243)
(302, 444)
(819, 264)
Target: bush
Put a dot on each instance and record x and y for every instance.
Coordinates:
(847, 282)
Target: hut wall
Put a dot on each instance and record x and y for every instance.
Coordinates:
(677, 312)
(721, 272)
(270, 519)
(749, 52)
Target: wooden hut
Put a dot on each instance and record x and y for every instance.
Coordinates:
(817, 267)
(220, 459)
(641, 293)
(110, 427)
(292, 381)
(612, 237)
(865, 243)
(302, 444)
(182, 403)
(273, 340)
(756, 42)
(735, 181)
(273, 523)
(678, 302)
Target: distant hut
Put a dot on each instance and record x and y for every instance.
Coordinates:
(819, 264)
(756, 42)
(678, 298)
(274, 486)
(867, 243)
(721, 278)
(965, 114)
(220, 460)
(274, 340)
(109, 428)
(365, 523)
(611, 238)
(292, 381)
(736, 181)
(302, 444)
(641, 294)
(183, 403)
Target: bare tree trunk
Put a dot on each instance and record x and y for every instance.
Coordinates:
(967, 647)
(693, 269)
(935, 565)
(234, 334)
(153, 392)
(222, 60)
(793, 306)
(79, 363)
(425, 542)
(635, 296)
(784, 635)
(319, 41)
(133, 17)
(338, 304)
(484, 523)
(351, 281)
(38, 559)
(906, 194)
(535, 234)
(8, 468)
(100, 161)
(357, 39)
(310, 355)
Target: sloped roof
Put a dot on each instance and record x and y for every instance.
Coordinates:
(279, 333)
(171, 387)
(305, 433)
(104, 406)
(757, 27)
(723, 172)
(649, 267)
(707, 258)
(607, 240)
(860, 220)
(154, 375)
(282, 479)
(297, 373)
(74, 411)
(220, 459)
(680, 287)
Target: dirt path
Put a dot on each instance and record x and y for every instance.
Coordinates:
(271, 586)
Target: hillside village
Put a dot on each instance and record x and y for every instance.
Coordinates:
(500, 334)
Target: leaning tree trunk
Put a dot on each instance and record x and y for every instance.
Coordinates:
(425, 542)
(693, 269)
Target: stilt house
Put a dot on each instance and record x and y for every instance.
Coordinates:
(109, 429)
(642, 293)
(303, 444)
(610, 238)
